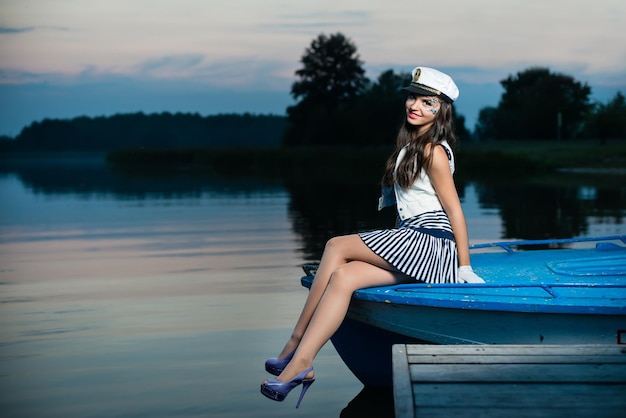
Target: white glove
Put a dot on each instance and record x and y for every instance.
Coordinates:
(467, 275)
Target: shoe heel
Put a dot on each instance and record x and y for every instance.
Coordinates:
(278, 390)
(305, 386)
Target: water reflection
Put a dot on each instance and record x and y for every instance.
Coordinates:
(543, 210)
(92, 176)
(561, 206)
(138, 275)
(371, 402)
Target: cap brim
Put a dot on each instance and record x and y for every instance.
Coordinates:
(422, 92)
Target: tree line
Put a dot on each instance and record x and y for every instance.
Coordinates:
(336, 104)
(540, 104)
(139, 130)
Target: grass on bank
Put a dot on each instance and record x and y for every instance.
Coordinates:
(512, 158)
(555, 154)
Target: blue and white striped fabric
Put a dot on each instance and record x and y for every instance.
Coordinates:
(421, 247)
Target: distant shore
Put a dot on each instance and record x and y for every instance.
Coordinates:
(556, 155)
(508, 158)
(515, 157)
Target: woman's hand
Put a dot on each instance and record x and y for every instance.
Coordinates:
(467, 275)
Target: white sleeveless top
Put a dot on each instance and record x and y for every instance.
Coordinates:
(420, 197)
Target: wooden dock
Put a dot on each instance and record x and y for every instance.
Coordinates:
(507, 381)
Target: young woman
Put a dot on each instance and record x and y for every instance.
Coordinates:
(430, 243)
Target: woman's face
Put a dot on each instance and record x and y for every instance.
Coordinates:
(421, 111)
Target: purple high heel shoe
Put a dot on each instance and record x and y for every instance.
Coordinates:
(278, 390)
(276, 366)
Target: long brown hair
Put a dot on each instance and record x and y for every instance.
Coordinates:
(415, 158)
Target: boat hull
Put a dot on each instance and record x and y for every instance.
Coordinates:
(366, 336)
(553, 296)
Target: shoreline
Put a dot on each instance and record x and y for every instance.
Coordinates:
(530, 157)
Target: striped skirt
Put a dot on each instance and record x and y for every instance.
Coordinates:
(421, 247)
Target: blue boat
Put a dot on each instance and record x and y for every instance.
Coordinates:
(560, 291)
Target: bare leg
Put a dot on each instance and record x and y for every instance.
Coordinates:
(327, 309)
(338, 251)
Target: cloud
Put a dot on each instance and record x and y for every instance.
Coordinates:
(317, 21)
(11, 31)
(236, 73)
(9, 76)
(4, 30)
(171, 64)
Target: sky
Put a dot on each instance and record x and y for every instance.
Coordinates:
(61, 59)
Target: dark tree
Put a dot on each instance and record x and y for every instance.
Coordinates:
(460, 130)
(607, 120)
(539, 104)
(485, 127)
(138, 130)
(331, 78)
(332, 72)
(375, 117)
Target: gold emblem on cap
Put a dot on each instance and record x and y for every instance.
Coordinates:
(417, 74)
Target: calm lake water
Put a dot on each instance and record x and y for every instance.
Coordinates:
(135, 295)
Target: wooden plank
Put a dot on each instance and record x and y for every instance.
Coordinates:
(489, 350)
(504, 412)
(512, 395)
(515, 359)
(402, 388)
(600, 373)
